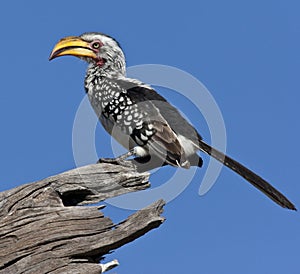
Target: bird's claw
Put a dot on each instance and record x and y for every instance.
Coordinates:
(116, 161)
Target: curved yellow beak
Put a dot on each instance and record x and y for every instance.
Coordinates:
(72, 45)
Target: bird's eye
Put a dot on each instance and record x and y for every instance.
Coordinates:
(96, 45)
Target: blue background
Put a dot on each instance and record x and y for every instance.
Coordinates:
(245, 52)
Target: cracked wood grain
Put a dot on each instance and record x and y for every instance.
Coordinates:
(45, 229)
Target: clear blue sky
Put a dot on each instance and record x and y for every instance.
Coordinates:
(245, 52)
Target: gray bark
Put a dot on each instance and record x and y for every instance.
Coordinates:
(45, 229)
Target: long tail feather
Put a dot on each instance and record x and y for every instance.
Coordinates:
(250, 176)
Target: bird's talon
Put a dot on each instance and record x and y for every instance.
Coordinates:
(115, 161)
(108, 161)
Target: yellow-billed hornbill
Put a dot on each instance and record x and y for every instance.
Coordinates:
(141, 119)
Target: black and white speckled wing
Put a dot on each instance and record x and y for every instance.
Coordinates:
(175, 120)
(156, 134)
(173, 130)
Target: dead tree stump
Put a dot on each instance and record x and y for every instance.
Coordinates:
(45, 229)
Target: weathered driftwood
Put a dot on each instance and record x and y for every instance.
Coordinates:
(44, 230)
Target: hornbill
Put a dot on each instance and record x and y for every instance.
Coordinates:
(141, 119)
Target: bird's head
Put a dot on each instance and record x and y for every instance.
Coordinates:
(97, 49)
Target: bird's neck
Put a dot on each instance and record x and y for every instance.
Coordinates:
(95, 74)
(107, 70)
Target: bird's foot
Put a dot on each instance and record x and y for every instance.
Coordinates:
(115, 161)
(121, 160)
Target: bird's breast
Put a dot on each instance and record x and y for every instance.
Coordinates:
(111, 102)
